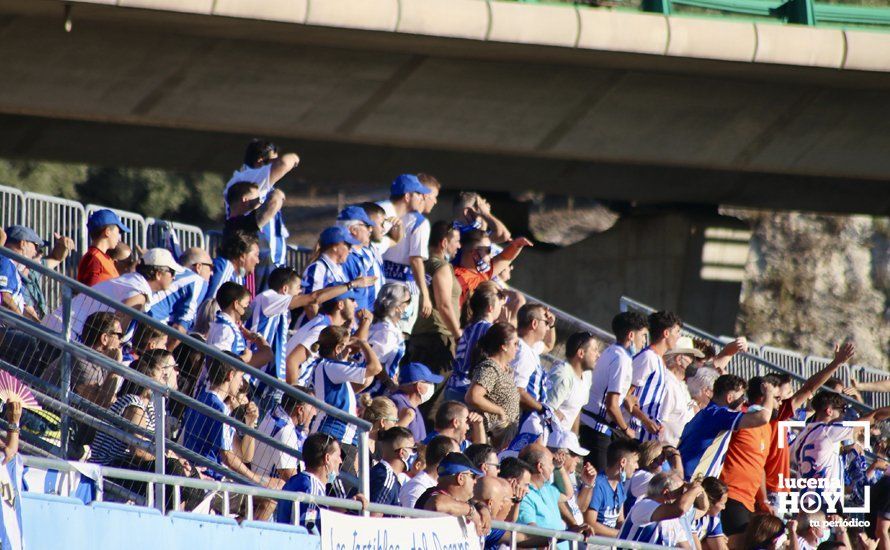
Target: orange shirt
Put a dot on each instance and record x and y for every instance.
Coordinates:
(469, 280)
(95, 266)
(745, 462)
(778, 461)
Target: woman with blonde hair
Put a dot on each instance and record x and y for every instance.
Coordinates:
(382, 413)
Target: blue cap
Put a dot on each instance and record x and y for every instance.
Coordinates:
(418, 372)
(407, 183)
(336, 234)
(457, 463)
(105, 217)
(20, 233)
(355, 213)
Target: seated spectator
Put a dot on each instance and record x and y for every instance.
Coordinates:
(382, 413)
(455, 420)
(102, 333)
(288, 422)
(436, 450)
(493, 391)
(154, 273)
(265, 167)
(569, 381)
(471, 211)
(227, 333)
(238, 257)
(326, 266)
(536, 327)
(654, 458)
(416, 385)
(124, 259)
(336, 376)
(701, 386)
(321, 454)
(766, 532)
(105, 228)
(145, 338)
(337, 311)
(25, 242)
(606, 511)
(397, 455)
(34, 295)
(544, 503)
(497, 494)
(386, 337)
(567, 455)
(213, 439)
(519, 474)
(178, 305)
(433, 338)
(475, 253)
(707, 527)
(678, 404)
(604, 412)
(484, 457)
(453, 493)
(655, 519)
(705, 436)
(484, 309)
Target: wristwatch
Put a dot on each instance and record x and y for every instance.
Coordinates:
(350, 286)
(13, 428)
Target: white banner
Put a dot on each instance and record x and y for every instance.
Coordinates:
(345, 532)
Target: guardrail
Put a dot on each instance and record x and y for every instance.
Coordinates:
(177, 483)
(134, 222)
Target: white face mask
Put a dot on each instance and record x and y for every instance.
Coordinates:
(428, 394)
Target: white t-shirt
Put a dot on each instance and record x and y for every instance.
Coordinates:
(411, 491)
(566, 393)
(527, 370)
(816, 451)
(612, 374)
(639, 482)
(677, 410)
(415, 240)
(261, 176)
(267, 460)
(638, 526)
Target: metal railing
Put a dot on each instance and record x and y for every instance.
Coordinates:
(250, 492)
(260, 377)
(12, 206)
(189, 235)
(134, 222)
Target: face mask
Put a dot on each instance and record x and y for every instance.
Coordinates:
(826, 534)
(428, 394)
(332, 477)
(242, 272)
(632, 349)
(481, 265)
(409, 462)
(623, 476)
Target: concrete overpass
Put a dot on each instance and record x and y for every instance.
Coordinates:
(487, 95)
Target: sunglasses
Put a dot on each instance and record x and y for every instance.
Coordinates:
(484, 250)
(113, 333)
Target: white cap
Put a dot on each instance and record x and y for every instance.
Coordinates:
(565, 439)
(685, 347)
(161, 257)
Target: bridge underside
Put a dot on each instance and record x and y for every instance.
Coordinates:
(140, 88)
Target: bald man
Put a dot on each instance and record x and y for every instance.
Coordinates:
(178, 305)
(497, 494)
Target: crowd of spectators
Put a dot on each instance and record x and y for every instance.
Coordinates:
(413, 326)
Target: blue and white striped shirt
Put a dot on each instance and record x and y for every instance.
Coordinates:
(528, 371)
(359, 263)
(223, 272)
(612, 374)
(387, 341)
(307, 512)
(462, 364)
(271, 317)
(649, 376)
(639, 526)
(708, 527)
(321, 273)
(225, 334)
(274, 234)
(333, 385)
(11, 282)
(178, 305)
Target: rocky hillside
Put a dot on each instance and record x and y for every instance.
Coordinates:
(814, 279)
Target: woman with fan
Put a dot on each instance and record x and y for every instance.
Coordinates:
(134, 404)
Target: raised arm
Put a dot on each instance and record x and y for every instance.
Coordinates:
(506, 257)
(270, 207)
(842, 354)
(282, 165)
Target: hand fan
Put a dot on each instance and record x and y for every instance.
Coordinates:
(12, 389)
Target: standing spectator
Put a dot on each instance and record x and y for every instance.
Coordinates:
(453, 493)
(436, 449)
(432, 198)
(493, 391)
(362, 260)
(434, 337)
(471, 211)
(649, 375)
(704, 440)
(416, 385)
(397, 455)
(476, 263)
(386, 338)
(264, 167)
(335, 374)
(678, 404)
(178, 305)
(238, 257)
(541, 506)
(288, 423)
(485, 308)
(403, 262)
(606, 511)
(455, 420)
(569, 381)
(247, 211)
(25, 242)
(326, 267)
(105, 228)
(609, 388)
(654, 519)
(321, 453)
(701, 386)
(227, 333)
(536, 326)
